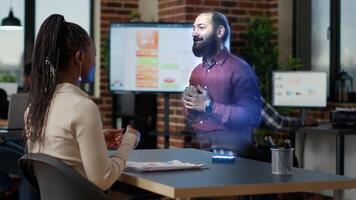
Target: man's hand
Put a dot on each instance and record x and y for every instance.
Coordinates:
(113, 138)
(195, 98)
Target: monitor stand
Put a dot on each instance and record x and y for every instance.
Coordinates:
(303, 113)
(166, 120)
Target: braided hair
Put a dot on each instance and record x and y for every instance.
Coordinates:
(56, 41)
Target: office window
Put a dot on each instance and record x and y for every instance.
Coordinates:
(77, 11)
(12, 44)
(320, 44)
(347, 39)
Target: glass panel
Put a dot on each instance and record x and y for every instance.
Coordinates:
(348, 42)
(12, 47)
(320, 44)
(67, 8)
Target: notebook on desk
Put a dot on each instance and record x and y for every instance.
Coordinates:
(17, 107)
(171, 165)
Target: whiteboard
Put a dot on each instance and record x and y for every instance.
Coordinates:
(299, 89)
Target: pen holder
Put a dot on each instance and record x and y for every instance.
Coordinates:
(282, 161)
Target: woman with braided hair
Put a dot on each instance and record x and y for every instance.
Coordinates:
(61, 120)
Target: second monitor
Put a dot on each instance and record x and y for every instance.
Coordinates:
(299, 89)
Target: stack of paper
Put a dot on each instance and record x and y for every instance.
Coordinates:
(160, 166)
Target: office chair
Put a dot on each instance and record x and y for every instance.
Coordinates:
(5, 184)
(56, 180)
(9, 155)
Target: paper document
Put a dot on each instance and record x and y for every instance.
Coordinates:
(160, 166)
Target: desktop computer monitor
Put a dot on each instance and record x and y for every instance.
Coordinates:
(299, 89)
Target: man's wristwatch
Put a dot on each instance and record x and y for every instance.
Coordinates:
(209, 108)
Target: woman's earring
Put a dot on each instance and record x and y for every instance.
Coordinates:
(80, 73)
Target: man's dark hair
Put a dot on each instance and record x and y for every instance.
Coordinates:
(56, 41)
(27, 69)
(218, 19)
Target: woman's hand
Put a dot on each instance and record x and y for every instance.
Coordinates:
(113, 137)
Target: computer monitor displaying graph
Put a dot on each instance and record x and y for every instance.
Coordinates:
(299, 89)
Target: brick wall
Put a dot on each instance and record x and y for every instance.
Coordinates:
(237, 12)
(111, 11)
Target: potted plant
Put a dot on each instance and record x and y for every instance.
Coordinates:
(262, 53)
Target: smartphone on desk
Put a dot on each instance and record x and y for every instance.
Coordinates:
(221, 158)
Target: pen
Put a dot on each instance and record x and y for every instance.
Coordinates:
(287, 144)
(270, 141)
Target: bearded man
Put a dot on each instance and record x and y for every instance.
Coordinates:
(222, 102)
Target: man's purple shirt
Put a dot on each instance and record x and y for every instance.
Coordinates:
(233, 87)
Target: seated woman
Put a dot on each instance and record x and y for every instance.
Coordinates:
(61, 120)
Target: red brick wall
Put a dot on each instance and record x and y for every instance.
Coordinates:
(111, 11)
(237, 12)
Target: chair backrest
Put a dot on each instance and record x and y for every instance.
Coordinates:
(57, 180)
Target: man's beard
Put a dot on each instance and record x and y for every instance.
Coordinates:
(205, 48)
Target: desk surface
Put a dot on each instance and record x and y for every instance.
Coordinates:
(241, 178)
(328, 129)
